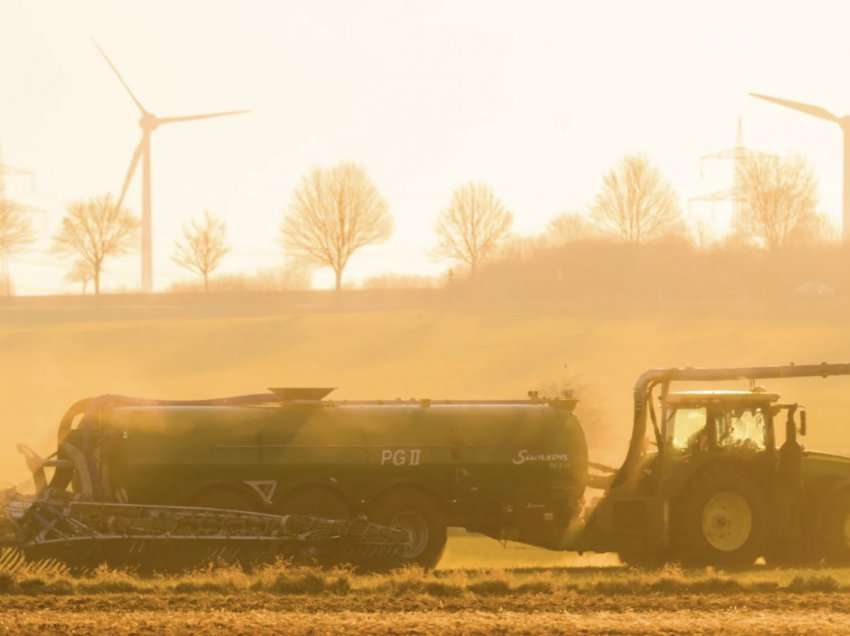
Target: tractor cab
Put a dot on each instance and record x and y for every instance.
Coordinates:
(701, 428)
(710, 421)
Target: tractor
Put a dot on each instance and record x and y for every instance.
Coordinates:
(720, 477)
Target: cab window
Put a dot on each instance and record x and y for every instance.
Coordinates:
(685, 426)
(741, 428)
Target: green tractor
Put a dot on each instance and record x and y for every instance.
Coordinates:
(719, 477)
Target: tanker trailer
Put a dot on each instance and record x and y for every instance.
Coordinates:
(508, 469)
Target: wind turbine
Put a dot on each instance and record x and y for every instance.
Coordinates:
(148, 123)
(844, 122)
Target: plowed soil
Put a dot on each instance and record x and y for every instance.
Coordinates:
(779, 613)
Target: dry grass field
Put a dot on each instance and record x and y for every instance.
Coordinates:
(55, 354)
(258, 614)
(586, 600)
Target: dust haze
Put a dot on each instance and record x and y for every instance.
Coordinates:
(589, 316)
(425, 201)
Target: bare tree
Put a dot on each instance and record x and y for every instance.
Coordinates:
(473, 225)
(569, 227)
(16, 231)
(778, 201)
(203, 247)
(334, 212)
(95, 229)
(81, 273)
(636, 203)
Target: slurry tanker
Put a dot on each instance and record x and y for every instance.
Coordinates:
(710, 477)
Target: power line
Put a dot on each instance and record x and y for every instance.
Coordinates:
(737, 154)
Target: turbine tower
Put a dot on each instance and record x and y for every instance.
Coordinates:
(844, 122)
(148, 123)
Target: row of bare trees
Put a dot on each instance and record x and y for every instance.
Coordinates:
(776, 205)
(335, 212)
(91, 232)
(96, 230)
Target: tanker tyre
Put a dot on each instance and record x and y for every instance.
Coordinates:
(722, 521)
(417, 513)
(837, 531)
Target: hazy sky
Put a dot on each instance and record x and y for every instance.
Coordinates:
(538, 99)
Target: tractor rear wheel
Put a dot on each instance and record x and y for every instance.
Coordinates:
(419, 515)
(722, 521)
(837, 531)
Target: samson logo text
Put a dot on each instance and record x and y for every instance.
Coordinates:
(524, 456)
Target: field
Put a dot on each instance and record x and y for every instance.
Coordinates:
(587, 600)
(54, 354)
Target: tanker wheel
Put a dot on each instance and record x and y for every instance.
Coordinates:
(315, 502)
(723, 521)
(837, 531)
(225, 497)
(419, 515)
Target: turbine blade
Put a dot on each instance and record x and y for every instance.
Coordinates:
(815, 111)
(120, 78)
(173, 120)
(130, 171)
